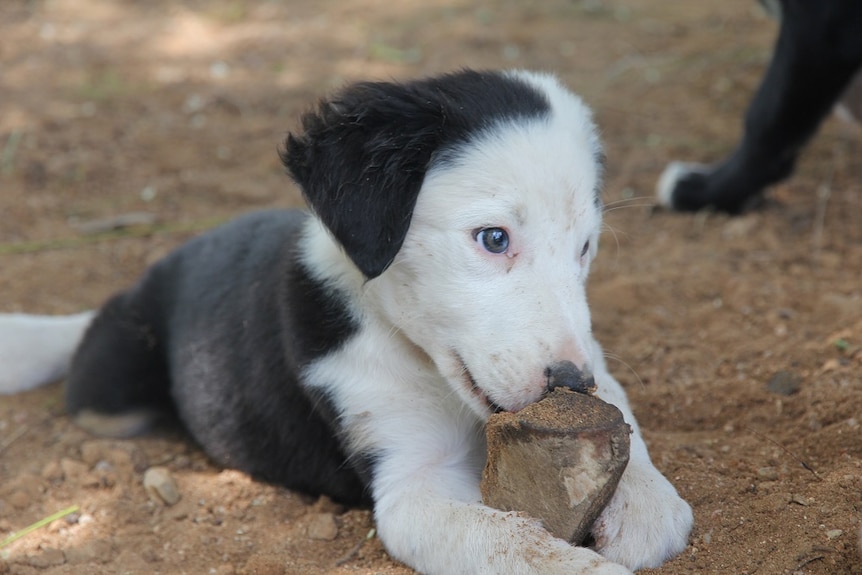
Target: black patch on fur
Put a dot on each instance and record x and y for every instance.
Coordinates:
(364, 152)
(318, 312)
(220, 331)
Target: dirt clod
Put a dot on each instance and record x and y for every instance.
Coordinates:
(48, 557)
(784, 383)
(322, 527)
(558, 460)
(161, 486)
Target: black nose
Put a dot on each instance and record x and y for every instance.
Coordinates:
(567, 374)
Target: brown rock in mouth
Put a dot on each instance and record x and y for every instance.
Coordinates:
(558, 460)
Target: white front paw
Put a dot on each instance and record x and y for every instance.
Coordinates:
(569, 560)
(646, 522)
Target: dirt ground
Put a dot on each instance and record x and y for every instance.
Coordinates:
(175, 109)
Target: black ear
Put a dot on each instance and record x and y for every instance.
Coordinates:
(361, 161)
(364, 153)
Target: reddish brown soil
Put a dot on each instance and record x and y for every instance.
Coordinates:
(177, 109)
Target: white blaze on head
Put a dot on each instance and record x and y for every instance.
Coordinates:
(494, 322)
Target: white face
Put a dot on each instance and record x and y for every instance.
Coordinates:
(490, 279)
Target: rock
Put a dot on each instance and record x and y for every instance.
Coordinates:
(322, 526)
(48, 557)
(799, 500)
(89, 551)
(77, 473)
(767, 473)
(784, 383)
(558, 460)
(161, 486)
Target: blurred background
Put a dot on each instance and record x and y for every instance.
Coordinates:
(127, 127)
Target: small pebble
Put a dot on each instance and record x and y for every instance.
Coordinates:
(784, 383)
(322, 527)
(768, 473)
(74, 470)
(161, 486)
(47, 557)
(798, 499)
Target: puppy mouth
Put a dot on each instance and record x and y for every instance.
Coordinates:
(476, 390)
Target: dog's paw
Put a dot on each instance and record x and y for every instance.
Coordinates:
(571, 560)
(681, 183)
(646, 522)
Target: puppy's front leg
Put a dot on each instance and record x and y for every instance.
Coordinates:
(432, 520)
(646, 522)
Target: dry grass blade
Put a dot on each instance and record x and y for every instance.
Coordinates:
(114, 234)
(39, 524)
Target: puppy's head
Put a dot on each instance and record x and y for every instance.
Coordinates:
(471, 201)
(364, 153)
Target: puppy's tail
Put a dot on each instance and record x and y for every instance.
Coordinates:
(37, 349)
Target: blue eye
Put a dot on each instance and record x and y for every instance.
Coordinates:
(494, 240)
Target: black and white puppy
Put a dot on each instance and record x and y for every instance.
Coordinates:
(818, 52)
(357, 350)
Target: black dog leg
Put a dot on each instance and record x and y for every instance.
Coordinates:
(819, 49)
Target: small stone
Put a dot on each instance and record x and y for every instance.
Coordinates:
(322, 527)
(784, 383)
(48, 557)
(161, 486)
(77, 473)
(834, 533)
(767, 473)
(90, 551)
(558, 460)
(798, 499)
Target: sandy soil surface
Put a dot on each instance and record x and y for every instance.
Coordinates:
(176, 109)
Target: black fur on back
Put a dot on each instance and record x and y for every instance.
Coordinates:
(364, 152)
(217, 333)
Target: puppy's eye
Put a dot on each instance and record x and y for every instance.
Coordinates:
(586, 248)
(494, 240)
